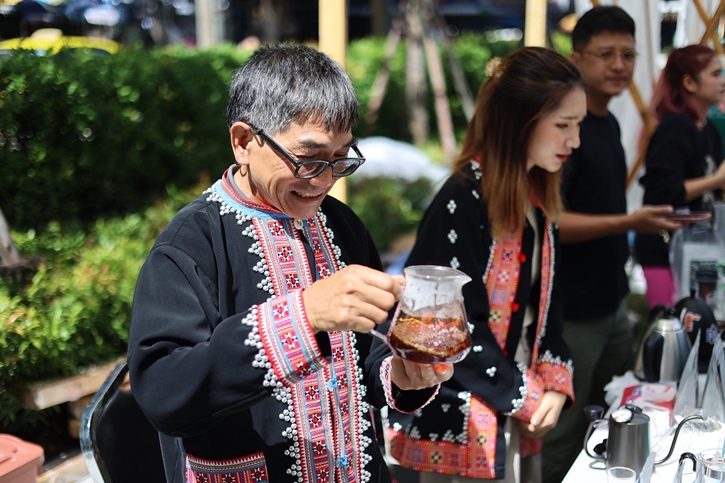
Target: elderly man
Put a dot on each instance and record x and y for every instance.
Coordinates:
(249, 349)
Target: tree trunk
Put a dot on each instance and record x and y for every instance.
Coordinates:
(380, 86)
(438, 81)
(416, 88)
(267, 20)
(12, 263)
(9, 254)
(459, 77)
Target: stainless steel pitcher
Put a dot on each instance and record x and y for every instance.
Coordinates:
(628, 440)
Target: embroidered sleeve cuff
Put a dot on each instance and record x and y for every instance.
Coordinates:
(403, 401)
(288, 340)
(556, 375)
(531, 391)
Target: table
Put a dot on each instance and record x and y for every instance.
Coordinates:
(688, 440)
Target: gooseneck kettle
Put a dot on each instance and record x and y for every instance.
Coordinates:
(628, 440)
(664, 348)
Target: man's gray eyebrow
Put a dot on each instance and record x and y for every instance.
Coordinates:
(315, 145)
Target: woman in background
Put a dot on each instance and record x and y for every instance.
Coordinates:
(495, 220)
(684, 157)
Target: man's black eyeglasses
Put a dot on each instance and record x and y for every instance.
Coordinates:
(309, 169)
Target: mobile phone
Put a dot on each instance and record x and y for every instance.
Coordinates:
(693, 217)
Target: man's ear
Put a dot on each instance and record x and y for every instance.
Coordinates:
(575, 57)
(241, 137)
(689, 83)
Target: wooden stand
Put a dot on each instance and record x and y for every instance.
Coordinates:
(45, 394)
(418, 19)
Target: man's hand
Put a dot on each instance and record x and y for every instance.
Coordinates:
(355, 298)
(649, 219)
(413, 375)
(545, 417)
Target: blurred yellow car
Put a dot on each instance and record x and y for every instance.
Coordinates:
(51, 41)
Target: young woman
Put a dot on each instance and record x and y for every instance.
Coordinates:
(495, 219)
(683, 162)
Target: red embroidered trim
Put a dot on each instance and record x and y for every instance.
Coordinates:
(483, 428)
(475, 459)
(501, 284)
(556, 377)
(431, 456)
(529, 447)
(248, 469)
(288, 339)
(329, 400)
(547, 269)
(386, 380)
(504, 271)
(535, 390)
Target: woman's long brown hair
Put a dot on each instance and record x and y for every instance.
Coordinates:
(528, 84)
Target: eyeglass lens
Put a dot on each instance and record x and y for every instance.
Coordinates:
(628, 56)
(340, 167)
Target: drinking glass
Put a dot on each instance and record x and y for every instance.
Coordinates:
(621, 474)
(711, 467)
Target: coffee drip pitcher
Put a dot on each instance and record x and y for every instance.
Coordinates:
(430, 324)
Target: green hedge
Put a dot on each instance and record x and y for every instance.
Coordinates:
(75, 310)
(84, 136)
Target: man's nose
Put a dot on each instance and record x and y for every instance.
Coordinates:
(325, 178)
(618, 63)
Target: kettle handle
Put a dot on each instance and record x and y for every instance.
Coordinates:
(652, 349)
(661, 310)
(593, 414)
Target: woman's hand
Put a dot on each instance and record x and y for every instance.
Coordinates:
(545, 417)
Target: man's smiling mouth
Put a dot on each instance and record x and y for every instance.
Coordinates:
(307, 195)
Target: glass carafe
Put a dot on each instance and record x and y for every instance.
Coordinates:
(430, 324)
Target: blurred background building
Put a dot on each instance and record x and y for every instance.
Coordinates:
(161, 22)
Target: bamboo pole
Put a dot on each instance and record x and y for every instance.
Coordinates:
(332, 36)
(703, 15)
(710, 28)
(535, 23)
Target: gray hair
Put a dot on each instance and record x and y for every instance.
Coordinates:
(284, 84)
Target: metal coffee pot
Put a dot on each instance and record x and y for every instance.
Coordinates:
(664, 348)
(628, 440)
